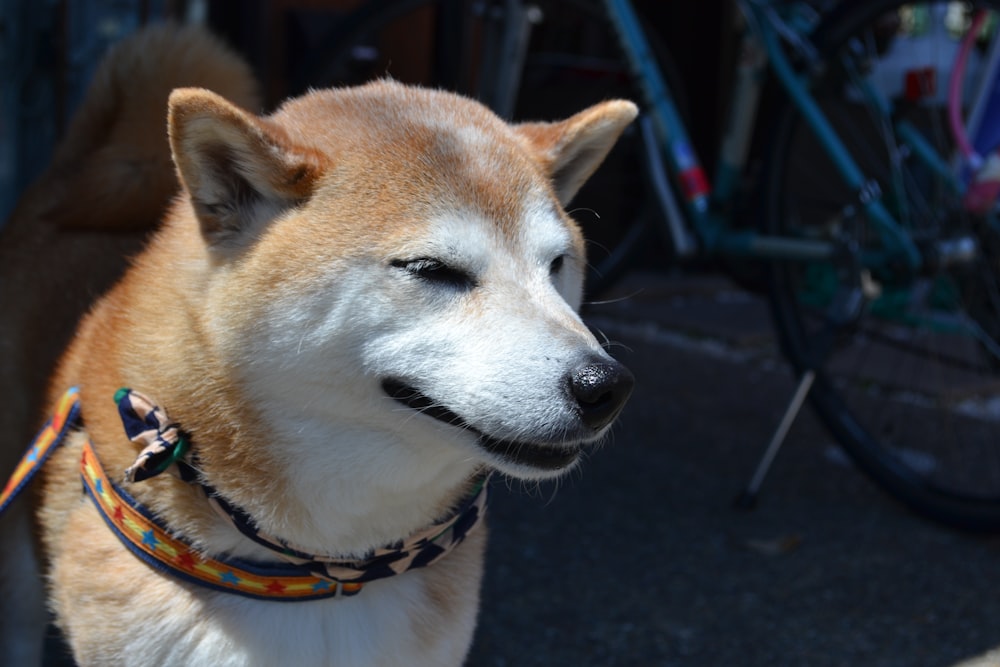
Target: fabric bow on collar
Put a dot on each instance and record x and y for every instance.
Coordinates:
(147, 424)
(165, 445)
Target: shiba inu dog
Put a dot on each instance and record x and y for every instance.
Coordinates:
(358, 307)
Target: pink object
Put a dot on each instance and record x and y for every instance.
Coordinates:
(985, 186)
(955, 93)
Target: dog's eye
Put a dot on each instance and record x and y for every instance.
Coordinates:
(556, 265)
(435, 271)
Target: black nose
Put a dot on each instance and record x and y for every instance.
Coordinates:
(601, 387)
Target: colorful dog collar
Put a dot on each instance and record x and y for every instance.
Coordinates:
(304, 576)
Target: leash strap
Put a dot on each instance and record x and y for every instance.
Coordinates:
(64, 418)
(304, 577)
(145, 536)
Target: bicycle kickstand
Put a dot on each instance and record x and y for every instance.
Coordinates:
(748, 499)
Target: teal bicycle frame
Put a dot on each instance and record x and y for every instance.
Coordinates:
(761, 46)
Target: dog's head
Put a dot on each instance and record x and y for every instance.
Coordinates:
(394, 266)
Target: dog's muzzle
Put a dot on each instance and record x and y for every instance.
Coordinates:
(598, 388)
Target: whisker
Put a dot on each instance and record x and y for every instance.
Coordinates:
(617, 299)
(598, 332)
(583, 209)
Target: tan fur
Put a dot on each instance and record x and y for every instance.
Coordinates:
(68, 239)
(273, 210)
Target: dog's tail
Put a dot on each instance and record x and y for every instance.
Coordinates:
(112, 170)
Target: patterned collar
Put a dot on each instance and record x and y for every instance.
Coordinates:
(305, 576)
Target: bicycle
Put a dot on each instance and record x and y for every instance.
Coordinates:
(883, 274)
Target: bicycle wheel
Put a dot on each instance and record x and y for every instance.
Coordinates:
(572, 60)
(907, 363)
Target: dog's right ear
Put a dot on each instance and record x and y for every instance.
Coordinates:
(572, 149)
(240, 170)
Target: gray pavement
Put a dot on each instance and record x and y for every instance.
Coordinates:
(641, 559)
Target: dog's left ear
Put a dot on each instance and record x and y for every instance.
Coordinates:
(240, 170)
(571, 150)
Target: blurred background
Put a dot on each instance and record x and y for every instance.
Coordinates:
(639, 558)
(49, 48)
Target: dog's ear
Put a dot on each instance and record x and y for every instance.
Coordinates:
(240, 170)
(572, 149)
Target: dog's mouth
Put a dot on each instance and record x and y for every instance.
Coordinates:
(544, 457)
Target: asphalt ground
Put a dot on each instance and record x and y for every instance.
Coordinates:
(640, 557)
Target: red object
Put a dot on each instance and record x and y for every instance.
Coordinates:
(694, 183)
(982, 196)
(920, 83)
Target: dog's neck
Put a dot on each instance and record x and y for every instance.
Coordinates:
(344, 515)
(359, 487)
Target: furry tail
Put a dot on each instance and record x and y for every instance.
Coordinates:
(113, 170)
